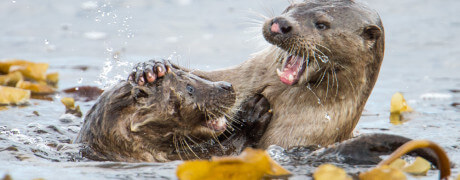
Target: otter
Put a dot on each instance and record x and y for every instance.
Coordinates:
(158, 121)
(317, 74)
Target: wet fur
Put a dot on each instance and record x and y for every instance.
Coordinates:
(326, 104)
(153, 123)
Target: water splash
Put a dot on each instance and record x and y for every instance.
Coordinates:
(277, 153)
(114, 68)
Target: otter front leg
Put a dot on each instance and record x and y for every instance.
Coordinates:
(255, 116)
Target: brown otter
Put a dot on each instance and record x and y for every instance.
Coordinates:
(317, 74)
(155, 121)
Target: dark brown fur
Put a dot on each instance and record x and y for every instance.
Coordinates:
(155, 122)
(326, 103)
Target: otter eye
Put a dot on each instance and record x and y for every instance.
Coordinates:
(321, 26)
(190, 89)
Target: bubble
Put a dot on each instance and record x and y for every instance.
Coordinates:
(13, 1)
(109, 49)
(47, 42)
(57, 96)
(80, 80)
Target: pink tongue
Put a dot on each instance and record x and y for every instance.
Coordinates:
(285, 76)
(215, 125)
(292, 66)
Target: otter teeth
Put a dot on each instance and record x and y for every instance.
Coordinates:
(279, 72)
(221, 121)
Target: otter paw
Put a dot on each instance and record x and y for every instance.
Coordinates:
(148, 72)
(256, 115)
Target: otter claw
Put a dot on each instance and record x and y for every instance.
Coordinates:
(141, 81)
(151, 77)
(161, 71)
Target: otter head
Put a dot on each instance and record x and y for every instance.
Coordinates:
(316, 37)
(180, 110)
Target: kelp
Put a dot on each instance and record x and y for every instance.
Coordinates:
(31, 70)
(30, 76)
(70, 107)
(13, 96)
(251, 164)
(256, 164)
(398, 106)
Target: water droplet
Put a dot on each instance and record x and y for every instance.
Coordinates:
(46, 41)
(324, 59)
(77, 88)
(58, 96)
(80, 81)
(110, 49)
(13, 1)
(327, 117)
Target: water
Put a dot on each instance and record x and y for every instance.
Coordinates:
(95, 42)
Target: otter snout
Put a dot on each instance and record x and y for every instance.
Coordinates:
(280, 25)
(278, 30)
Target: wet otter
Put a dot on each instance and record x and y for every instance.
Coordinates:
(317, 74)
(153, 122)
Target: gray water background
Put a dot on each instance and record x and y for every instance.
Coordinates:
(422, 60)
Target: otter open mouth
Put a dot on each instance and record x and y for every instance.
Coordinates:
(292, 70)
(217, 125)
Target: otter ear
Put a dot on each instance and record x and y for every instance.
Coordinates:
(372, 33)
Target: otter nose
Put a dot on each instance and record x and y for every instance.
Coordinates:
(224, 85)
(281, 26)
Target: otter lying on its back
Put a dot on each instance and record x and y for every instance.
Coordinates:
(150, 123)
